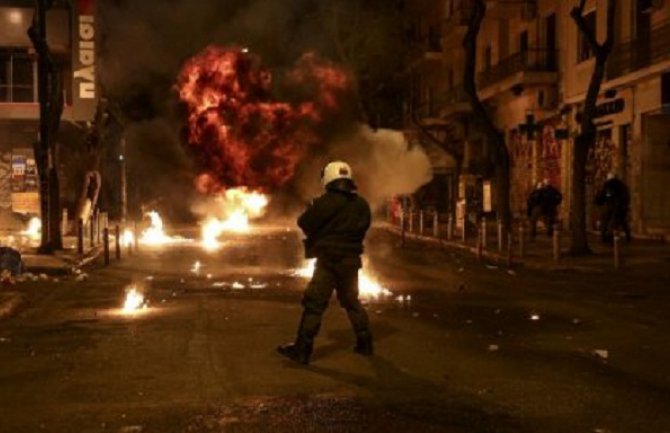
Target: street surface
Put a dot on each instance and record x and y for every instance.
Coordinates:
(475, 349)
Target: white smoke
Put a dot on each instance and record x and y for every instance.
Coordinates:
(383, 162)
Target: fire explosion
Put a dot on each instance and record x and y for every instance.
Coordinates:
(239, 134)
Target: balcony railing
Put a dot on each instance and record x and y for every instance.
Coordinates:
(639, 53)
(531, 60)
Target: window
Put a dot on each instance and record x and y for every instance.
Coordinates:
(583, 46)
(17, 79)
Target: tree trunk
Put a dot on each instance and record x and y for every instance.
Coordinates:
(579, 244)
(494, 137)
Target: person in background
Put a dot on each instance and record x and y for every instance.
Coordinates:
(614, 201)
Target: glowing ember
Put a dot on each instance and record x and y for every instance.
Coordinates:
(238, 206)
(34, 229)
(134, 301)
(196, 268)
(238, 132)
(367, 286)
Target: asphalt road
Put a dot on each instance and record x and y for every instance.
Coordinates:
(476, 349)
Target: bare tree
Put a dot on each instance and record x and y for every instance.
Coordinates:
(495, 138)
(50, 90)
(364, 37)
(586, 138)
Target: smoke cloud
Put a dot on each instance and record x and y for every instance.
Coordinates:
(384, 165)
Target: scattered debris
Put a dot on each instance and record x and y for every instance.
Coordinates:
(494, 348)
(534, 317)
(493, 267)
(5, 340)
(150, 278)
(415, 314)
(512, 272)
(461, 270)
(238, 286)
(44, 277)
(258, 286)
(220, 284)
(576, 321)
(81, 278)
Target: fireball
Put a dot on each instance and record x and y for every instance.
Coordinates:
(155, 234)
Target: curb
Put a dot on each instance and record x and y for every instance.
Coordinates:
(69, 263)
(499, 259)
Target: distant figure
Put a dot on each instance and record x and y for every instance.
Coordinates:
(614, 202)
(543, 204)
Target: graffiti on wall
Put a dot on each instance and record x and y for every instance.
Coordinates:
(521, 165)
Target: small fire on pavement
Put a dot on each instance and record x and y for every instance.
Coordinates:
(368, 287)
(34, 229)
(135, 302)
(238, 206)
(155, 235)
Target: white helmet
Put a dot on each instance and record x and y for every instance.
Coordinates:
(334, 171)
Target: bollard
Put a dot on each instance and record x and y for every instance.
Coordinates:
(480, 248)
(617, 251)
(509, 249)
(104, 217)
(80, 236)
(64, 222)
(402, 228)
(500, 236)
(557, 244)
(464, 235)
(450, 227)
(98, 233)
(129, 247)
(484, 233)
(91, 234)
(411, 222)
(521, 241)
(421, 223)
(436, 225)
(105, 242)
(136, 237)
(117, 241)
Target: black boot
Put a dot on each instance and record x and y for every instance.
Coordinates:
(298, 351)
(364, 344)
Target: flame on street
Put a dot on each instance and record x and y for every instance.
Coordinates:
(368, 287)
(238, 205)
(34, 229)
(155, 235)
(134, 301)
(127, 238)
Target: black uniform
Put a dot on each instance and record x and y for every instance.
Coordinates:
(335, 226)
(543, 203)
(614, 199)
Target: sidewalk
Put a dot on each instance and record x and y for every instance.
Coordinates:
(62, 262)
(538, 253)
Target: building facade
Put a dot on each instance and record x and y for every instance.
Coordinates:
(533, 70)
(71, 38)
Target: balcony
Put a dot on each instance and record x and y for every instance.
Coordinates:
(532, 66)
(640, 53)
(455, 102)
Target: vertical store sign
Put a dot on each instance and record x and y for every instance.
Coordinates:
(85, 92)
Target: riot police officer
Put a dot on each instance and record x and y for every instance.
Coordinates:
(335, 225)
